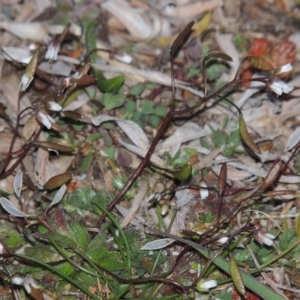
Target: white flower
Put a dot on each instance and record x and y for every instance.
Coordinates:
(124, 57)
(280, 87)
(25, 81)
(51, 105)
(46, 120)
(284, 69)
(265, 238)
(52, 51)
(204, 286)
(17, 280)
(28, 283)
(223, 240)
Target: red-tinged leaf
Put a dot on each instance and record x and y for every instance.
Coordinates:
(260, 63)
(222, 179)
(272, 175)
(236, 275)
(217, 54)
(85, 80)
(57, 181)
(181, 37)
(246, 136)
(54, 146)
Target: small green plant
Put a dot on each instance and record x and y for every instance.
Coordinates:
(74, 244)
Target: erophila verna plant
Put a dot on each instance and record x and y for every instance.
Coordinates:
(89, 253)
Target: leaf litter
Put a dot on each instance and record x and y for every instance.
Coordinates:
(65, 131)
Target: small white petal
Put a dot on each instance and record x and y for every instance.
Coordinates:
(222, 240)
(50, 119)
(43, 119)
(276, 88)
(270, 236)
(125, 58)
(287, 88)
(206, 285)
(280, 87)
(17, 280)
(284, 69)
(263, 238)
(27, 288)
(52, 51)
(25, 82)
(54, 106)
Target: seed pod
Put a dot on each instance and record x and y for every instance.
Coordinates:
(183, 174)
(57, 181)
(217, 54)
(246, 136)
(236, 275)
(54, 146)
(272, 175)
(164, 209)
(222, 179)
(71, 114)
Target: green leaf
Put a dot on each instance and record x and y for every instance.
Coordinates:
(110, 152)
(111, 264)
(63, 241)
(246, 136)
(236, 275)
(91, 39)
(136, 89)
(86, 163)
(161, 111)
(130, 106)
(93, 137)
(79, 235)
(45, 253)
(65, 268)
(154, 121)
(113, 101)
(250, 282)
(147, 107)
(97, 255)
(111, 85)
(183, 174)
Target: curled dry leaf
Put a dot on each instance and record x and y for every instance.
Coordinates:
(132, 130)
(57, 181)
(293, 140)
(18, 182)
(11, 209)
(158, 244)
(58, 196)
(246, 136)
